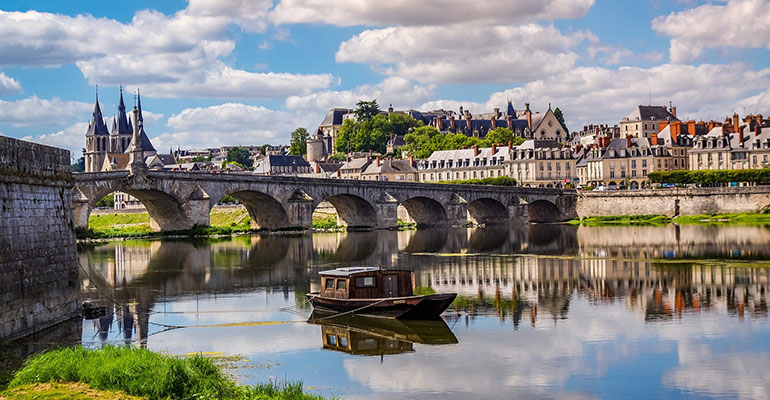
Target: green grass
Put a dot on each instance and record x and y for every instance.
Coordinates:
(140, 372)
(725, 219)
(223, 222)
(325, 222)
(424, 291)
(63, 391)
(624, 220)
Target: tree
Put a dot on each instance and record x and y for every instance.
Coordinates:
(240, 156)
(558, 114)
(373, 134)
(263, 148)
(107, 201)
(503, 136)
(200, 159)
(423, 141)
(79, 165)
(299, 142)
(366, 110)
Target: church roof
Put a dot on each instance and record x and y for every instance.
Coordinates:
(97, 125)
(121, 124)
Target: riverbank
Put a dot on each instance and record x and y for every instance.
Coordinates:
(130, 373)
(762, 218)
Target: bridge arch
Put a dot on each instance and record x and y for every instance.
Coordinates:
(264, 210)
(488, 211)
(167, 213)
(425, 211)
(543, 211)
(353, 211)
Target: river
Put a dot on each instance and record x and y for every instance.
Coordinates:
(544, 311)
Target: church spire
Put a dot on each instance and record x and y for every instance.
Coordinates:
(123, 125)
(139, 105)
(97, 125)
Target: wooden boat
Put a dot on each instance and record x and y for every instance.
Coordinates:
(377, 292)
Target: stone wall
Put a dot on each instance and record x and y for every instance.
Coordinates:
(38, 258)
(673, 202)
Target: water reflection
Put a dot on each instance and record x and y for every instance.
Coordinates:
(360, 335)
(544, 310)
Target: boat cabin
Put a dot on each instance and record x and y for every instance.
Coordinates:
(365, 283)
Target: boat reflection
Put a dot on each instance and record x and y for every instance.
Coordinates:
(371, 336)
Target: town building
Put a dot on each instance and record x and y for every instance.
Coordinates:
(735, 144)
(538, 163)
(677, 137)
(646, 120)
(323, 170)
(352, 168)
(282, 165)
(588, 135)
(391, 170)
(473, 163)
(623, 162)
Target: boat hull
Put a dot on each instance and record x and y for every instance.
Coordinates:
(410, 307)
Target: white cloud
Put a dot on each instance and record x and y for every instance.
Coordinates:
(740, 375)
(34, 111)
(414, 13)
(738, 23)
(609, 55)
(72, 138)
(602, 95)
(8, 85)
(229, 124)
(464, 53)
(173, 56)
(398, 91)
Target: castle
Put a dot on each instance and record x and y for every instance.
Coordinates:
(107, 151)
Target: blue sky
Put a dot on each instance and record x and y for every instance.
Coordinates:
(215, 72)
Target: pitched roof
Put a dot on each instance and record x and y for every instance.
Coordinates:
(120, 124)
(97, 125)
(390, 166)
(334, 116)
(650, 113)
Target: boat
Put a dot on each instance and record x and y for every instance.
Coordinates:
(377, 292)
(371, 336)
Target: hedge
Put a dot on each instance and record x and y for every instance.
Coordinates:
(496, 181)
(711, 176)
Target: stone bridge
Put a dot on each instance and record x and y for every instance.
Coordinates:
(181, 200)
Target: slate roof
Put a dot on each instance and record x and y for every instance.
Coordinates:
(97, 125)
(334, 116)
(121, 124)
(650, 113)
(355, 163)
(390, 166)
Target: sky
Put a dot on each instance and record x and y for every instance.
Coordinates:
(238, 72)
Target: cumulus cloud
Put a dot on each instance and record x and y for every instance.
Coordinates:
(230, 124)
(181, 54)
(740, 375)
(738, 23)
(394, 90)
(464, 53)
(34, 111)
(71, 138)
(8, 85)
(603, 95)
(414, 13)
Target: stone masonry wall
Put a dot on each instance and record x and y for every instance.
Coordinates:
(38, 257)
(674, 202)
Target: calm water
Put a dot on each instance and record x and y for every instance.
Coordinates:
(547, 311)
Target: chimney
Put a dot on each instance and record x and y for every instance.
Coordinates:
(348, 159)
(673, 111)
(440, 124)
(691, 127)
(654, 139)
(452, 122)
(317, 168)
(724, 130)
(411, 160)
(497, 112)
(390, 161)
(510, 147)
(740, 137)
(662, 125)
(475, 150)
(628, 141)
(468, 121)
(494, 149)
(509, 119)
(759, 119)
(676, 127)
(378, 161)
(736, 123)
(711, 125)
(494, 122)
(339, 173)
(529, 115)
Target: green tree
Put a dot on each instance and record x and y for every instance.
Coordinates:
(200, 159)
(558, 114)
(263, 148)
(299, 142)
(502, 135)
(240, 156)
(106, 201)
(424, 140)
(79, 165)
(366, 110)
(373, 134)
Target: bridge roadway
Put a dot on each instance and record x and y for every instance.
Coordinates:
(181, 200)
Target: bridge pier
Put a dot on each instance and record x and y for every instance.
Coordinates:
(300, 212)
(387, 212)
(457, 211)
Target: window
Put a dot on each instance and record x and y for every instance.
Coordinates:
(343, 341)
(331, 339)
(633, 163)
(633, 173)
(644, 172)
(329, 284)
(341, 284)
(365, 281)
(644, 163)
(612, 174)
(623, 174)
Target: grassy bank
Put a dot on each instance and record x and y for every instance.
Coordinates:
(624, 220)
(661, 220)
(223, 221)
(135, 372)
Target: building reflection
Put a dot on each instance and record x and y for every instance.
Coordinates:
(639, 267)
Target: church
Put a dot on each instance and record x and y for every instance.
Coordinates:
(110, 151)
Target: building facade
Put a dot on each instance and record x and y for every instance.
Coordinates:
(646, 120)
(542, 164)
(473, 163)
(624, 162)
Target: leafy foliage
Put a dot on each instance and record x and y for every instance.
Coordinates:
(496, 181)
(106, 201)
(240, 156)
(366, 110)
(299, 142)
(423, 141)
(200, 159)
(79, 165)
(558, 114)
(711, 176)
(373, 134)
